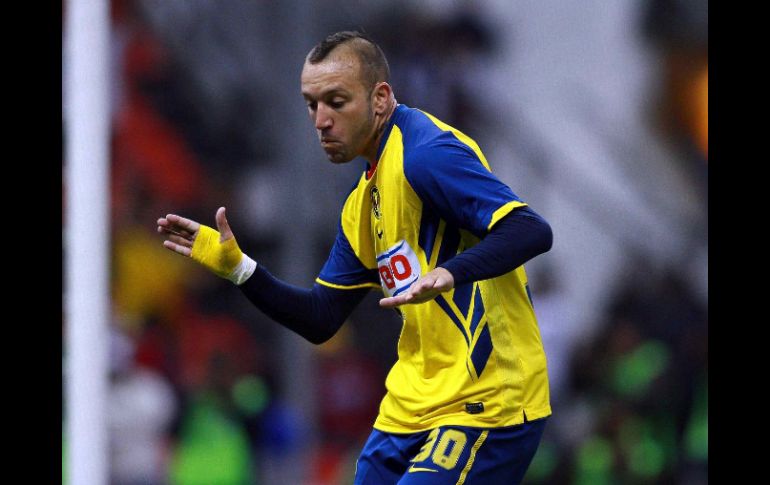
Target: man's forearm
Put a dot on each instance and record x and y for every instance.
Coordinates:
(315, 314)
(514, 240)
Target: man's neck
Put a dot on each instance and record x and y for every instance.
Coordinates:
(380, 132)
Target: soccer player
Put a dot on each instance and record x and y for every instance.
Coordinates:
(445, 240)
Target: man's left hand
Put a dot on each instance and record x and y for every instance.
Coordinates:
(426, 288)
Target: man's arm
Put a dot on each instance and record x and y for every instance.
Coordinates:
(314, 314)
(513, 240)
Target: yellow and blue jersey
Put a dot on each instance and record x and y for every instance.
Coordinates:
(473, 356)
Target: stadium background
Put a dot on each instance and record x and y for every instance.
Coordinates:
(594, 112)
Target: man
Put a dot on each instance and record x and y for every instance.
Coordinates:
(445, 240)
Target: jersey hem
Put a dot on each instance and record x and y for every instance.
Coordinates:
(386, 426)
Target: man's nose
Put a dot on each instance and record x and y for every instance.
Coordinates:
(323, 117)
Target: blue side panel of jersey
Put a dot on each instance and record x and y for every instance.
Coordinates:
(450, 243)
(429, 221)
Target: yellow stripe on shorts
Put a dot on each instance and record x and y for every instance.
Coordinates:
(471, 458)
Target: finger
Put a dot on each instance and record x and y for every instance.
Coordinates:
(420, 286)
(181, 241)
(393, 301)
(172, 229)
(177, 248)
(223, 226)
(408, 298)
(179, 222)
(439, 283)
(163, 224)
(424, 296)
(178, 232)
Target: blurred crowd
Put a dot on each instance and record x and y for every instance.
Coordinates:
(196, 385)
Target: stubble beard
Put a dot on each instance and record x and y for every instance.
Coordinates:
(366, 134)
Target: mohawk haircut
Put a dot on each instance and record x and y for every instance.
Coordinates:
(374, 65)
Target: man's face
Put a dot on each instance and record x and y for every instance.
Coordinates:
(339, 105)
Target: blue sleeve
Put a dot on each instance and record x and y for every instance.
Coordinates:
(451, 179)
(515, 239)
(315, 314)
(344, 270)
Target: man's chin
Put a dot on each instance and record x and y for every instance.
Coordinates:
(337, 157)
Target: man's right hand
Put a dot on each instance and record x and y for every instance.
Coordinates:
(216, 250)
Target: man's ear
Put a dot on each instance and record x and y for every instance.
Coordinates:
(381, 93)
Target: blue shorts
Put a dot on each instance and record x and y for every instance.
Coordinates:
(450, 455)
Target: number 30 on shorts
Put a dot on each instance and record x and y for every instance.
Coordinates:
(446, 452)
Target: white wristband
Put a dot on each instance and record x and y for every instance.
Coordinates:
(243, 271)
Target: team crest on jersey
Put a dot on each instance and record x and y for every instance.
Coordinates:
(398, 267)
(376, 202)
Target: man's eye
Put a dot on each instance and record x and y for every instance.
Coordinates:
(337, 104)
(312, 105)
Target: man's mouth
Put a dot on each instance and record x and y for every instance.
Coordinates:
(330, 144)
